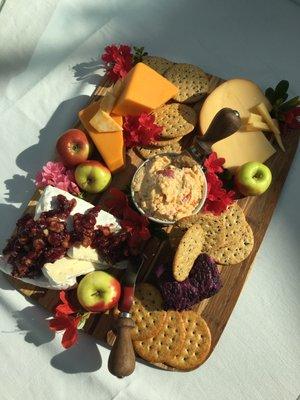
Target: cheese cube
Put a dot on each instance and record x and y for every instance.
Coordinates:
(242, 147)
(109, 144)
(144, 90)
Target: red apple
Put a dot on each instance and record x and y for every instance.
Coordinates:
(92, 176)
(98, 291)
(73, 147)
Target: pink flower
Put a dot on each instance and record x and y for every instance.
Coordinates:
(55, 174)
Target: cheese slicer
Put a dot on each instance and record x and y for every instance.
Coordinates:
(226, 122)
(121, 361)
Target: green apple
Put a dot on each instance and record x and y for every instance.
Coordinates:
(253, 178)
(98, 291)
(92, 176)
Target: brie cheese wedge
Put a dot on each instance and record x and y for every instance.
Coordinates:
(47, 202)
(86, 253)
(48, 199)
(66, 270)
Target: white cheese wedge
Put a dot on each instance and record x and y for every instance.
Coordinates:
(47, 202)
(86, 253)
(103, 122)
(92, 255)
(66, 270)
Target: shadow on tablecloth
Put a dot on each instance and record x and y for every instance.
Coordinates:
(82, 357)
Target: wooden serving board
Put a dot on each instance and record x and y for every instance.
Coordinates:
(216, 310)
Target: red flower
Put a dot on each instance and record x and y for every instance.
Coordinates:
(118, 61)
(67, 323)
(291, 118)
(117, 203)
(140, 130)
(66, 307)
(214, 164)
(218, 199)
(137, 227)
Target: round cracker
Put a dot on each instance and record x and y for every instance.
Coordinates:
(166, 344)
(147, 152)
(191, 81)
(176, 120)
(147, 323)
(147, 312)
(164, 143)
(237, 250)
(188, 250)
(149, 296)
(159, 64)
(196, 345)
(234, 220)
(213, 227)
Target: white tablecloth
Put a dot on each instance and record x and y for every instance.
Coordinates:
(48, 68)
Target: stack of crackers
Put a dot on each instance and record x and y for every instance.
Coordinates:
(227, 238)
(178, 119)
(180, 340)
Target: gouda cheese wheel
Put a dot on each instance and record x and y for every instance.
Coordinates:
(109, 144)
(239, 94)
(242, 147)
(143, 90)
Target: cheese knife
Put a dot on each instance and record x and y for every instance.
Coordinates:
(226, 122)
(121, 361)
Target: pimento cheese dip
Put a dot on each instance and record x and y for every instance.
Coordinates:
(165, 189)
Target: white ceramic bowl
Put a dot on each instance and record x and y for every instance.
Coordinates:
(162, 221)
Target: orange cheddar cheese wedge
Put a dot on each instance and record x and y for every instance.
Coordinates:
(143, 90)
(109, 144)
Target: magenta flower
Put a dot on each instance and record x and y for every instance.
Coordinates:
(55, 174)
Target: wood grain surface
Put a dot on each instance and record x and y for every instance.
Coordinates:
(216, 310)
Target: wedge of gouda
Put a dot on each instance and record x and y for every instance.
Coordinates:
(242, 147)
(109, 144)
(143, 90)
(263, 111)
(239, 94)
